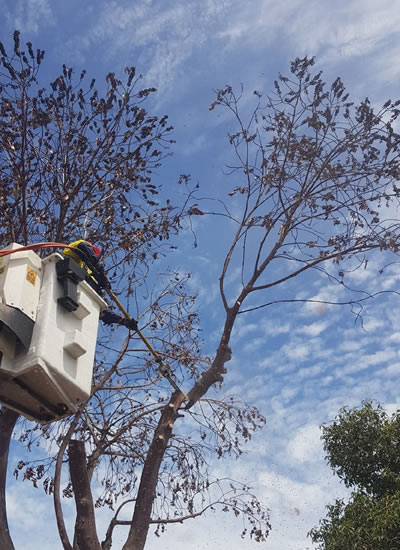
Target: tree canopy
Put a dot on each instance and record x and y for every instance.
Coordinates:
(77, 162)
(362, 447)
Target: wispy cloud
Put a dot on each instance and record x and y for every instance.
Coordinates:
(30, 16)
(160, 38)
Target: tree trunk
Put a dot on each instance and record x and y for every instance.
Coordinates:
(85, 527)
(8, 418)
(148, 482)
(217, 369)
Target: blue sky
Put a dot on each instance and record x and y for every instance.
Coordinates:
(298, 363)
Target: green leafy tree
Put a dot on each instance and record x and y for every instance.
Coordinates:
(362, 447)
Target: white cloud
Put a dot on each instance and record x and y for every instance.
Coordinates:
(276, 327)
(30, 16)
(309, 372)
(288, 393)
(373, 359)
(352, 345)
(352, 29)
(314, 329)
(372, 324)
(306, 445)
(166, 35)
(254, 23)
(296, 351)
(27, 510)
(393, 370)
(296, 506)
(329, 293)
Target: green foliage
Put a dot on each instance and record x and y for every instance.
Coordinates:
(365, 523)
(362, 447)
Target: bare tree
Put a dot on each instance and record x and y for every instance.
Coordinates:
(318, 179)
(72, 161)
(317, 187)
